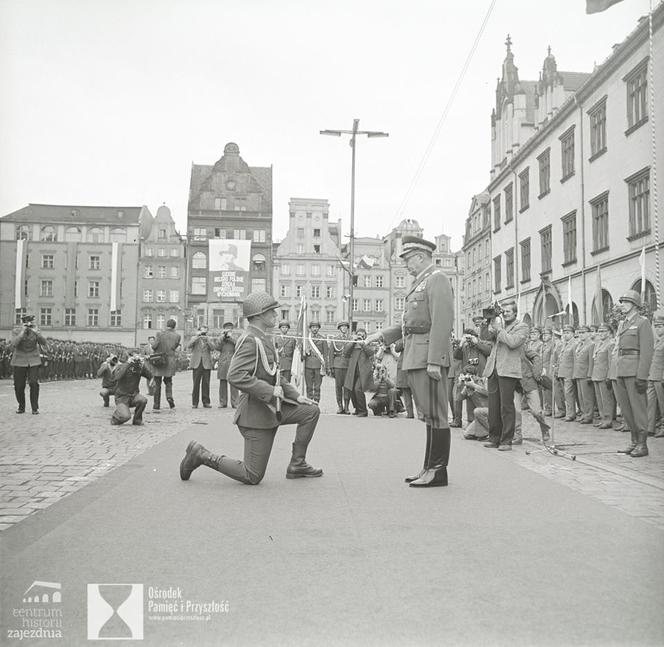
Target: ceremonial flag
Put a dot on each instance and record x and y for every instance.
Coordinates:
(116, 277)
(19, 290)
(595, 6)
(297, 367)
(570, 307)
(642, 263)
(599, 299)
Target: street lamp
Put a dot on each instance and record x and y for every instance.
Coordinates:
(353, 133)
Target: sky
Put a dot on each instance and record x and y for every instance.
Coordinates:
(109, 102)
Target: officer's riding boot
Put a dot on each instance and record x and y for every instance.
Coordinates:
(641, 448)
(20, 398)
(408, 401)
(298, 468)
(427, 457)
(436, 475)
(169, 395)
(632, 445)
(34, 396)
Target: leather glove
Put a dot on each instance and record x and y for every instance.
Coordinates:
(641, 386)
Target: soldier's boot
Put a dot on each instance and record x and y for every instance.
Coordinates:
(641, 448)
(156, 402)
(169, 395)
(544, 427)
(436, 474)
(34, 396)
(20, 398)
(408, 401)
(632, 445)
(458, 405)
(427, 458)
(298, 468)
(195, 456)
(346, 401)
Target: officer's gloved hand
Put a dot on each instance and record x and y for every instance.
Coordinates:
(641, 386)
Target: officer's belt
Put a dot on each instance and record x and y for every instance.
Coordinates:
(416, 330)
(628, 351)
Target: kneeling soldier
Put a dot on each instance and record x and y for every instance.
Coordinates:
(264, 405)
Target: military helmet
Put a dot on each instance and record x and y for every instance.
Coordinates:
(283, 323)
(257, 303)
(343, 323)
(314, 323)
(633, 296)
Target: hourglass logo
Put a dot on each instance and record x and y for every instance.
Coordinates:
(115, 612)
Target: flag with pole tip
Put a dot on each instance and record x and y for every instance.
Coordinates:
(597, 6)
(642, 264)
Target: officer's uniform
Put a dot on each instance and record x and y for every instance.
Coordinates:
(584, 389)
(315, 350)
(427, 328)
(599, 374)
(286, 347)
(253, 371)
(566, 373)
(655, 376)
(338, 362)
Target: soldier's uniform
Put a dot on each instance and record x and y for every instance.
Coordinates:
(338, 362)
(253, 371)
(427, 328)
(599, 374)
(635, 343)
(566, 373)
(315, 350)
(226, 350)
(581, 375)
(655, 376)
(286, 348)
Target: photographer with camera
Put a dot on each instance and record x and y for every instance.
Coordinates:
(503, 370)
(359, 376)
(473, 388)
(472, 352)
(27, 342)
(127, 394)
(105, 372)
(201, 347)
(164, 363)
(226, 347)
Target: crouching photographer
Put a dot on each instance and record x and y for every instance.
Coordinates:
(127, 395)
(473, 388)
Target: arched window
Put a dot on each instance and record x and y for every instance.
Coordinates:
(650, 295)
(258, 263)
(73, 234)
(47, 234)
(23, 232)
(118, 235)
(199, 261)
(95, 235)
(607, 304)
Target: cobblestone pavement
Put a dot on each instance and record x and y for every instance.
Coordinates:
(71, 443)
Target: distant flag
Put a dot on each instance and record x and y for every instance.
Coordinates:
(19, 292)
(115, 276)
(595, 6)
(297, 368)
(642, 263)
(570, 308)
(599, 299)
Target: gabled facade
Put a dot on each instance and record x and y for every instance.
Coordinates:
(477, 259)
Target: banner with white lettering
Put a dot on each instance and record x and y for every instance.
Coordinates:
(229, 269)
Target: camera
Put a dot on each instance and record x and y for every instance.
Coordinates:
(465, 377)
(493, 311)
(113, 360)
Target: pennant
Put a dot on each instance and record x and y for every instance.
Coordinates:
(115, 276)
(642, 263)
(599, 298)
(19, 291)
(596, 6)
(570, 307)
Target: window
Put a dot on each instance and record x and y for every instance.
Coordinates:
(569, 238)
(525, 260)
(329, 316)
(330, 270)
(95, 235)
(315, 291)
(161, 271)
(95, 263)
(259, 235)
(316, 233)
(174, 296)
(567, 152)
(379, 281)
(300, 233)
(380, 305)
(175, 252)
(217, 318)
(546, 247)
(316, 249)
(524, 189)
(217, 204)
(147, 321)
(299, 291)
(315, 269)
(285, 314)
(330, 292)
(174, 272)
(299, 269)
(284, 291)
(544, 172)
(200, 233)
(93, 289)
(118, 235)
(47, 234)
(300, 248)
(46, 288)
(23, 232)
(509, 268)
(161, 320)
(496, 274)
(639, 204)
(162, 234)
(496, 213)
(355, 305)
(399, 281)
(199, 261)
(600, 209)
(46, 316)
(487, 282)
(149, 251)
(509, 203)
(198, 285)
(240, 234)
(70, 316)
(398, 303)
(147, 296)
(367, 280)
(366, 305)
(597, 117)
(46, 261)
(161, 252)
(20, 312)
(161, 296)
(147, 272)
(93, 316)
(116, 318)
(258, 285)
(486, 248)
(73, 235)
(75, 288)
(636, 83)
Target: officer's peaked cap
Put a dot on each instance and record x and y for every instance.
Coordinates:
(416, 244)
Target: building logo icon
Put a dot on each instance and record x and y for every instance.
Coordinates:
(43, 593)
(115, 612)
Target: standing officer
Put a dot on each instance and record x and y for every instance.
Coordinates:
(164, 345)
(315, 349)
(584, 389)
(26, 360)
(599, 374)
(427, 328)
(338, 364)
(201, 347)
(655, 376)
(285, 345)
(635, 349)
(264, 405)
(226, 349)
(566, 371)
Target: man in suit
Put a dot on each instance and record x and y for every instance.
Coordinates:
(26, 359)
(566, 371)
(428, 319)
(226, 347)
(581, 374)
(164, 345)
(503, 372)
(599, 374)
(285, 345)
(201, 347)
(635, 350)
(264, 405)
(359, 375)
(315, 350)
(338, 364)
